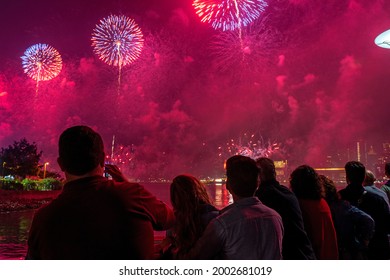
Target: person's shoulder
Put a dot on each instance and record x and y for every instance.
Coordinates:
(47, 210)
(373, 198)
(264, 210)
(372, 195)
(344, 193)
(287, 194)
(343, 190)
(278, 192)
(125, 187)
(369, 188)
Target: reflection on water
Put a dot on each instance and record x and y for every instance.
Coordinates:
(14, 226)
(220, 195)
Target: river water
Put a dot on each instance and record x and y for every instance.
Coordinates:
(14, 226)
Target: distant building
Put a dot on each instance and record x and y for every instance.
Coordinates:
(336, 174)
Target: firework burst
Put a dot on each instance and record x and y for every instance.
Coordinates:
(248, 145)
(123, 155)
(117, 40)
(248, 48)
(229, 14)
(41, 62)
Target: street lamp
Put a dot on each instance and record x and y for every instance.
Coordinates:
(2, 171)
(44, 169)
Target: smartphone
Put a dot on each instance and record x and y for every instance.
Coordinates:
(106, 174)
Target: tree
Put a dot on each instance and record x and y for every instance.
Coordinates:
(20, 159)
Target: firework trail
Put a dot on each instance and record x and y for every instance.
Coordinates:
(117, 41)
(123, 155)
(41, 62)
(229, 14)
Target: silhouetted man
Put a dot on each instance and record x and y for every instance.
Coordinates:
(369, 185)
(246, 229)
(386, 186)
(93, 217)
(296, 244)
(372, 204)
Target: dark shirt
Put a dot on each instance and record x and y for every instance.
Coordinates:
(96, 218)
(378, 191)
(208, 212)
(354, 229)
(296, 244)
(386, 189)
(375, 206)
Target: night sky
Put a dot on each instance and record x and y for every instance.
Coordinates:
(306, 76)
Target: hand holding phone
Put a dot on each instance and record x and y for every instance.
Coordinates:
(114, 172)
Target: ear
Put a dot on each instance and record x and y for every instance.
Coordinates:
(102, 160)
(228, 185)
(60, 164)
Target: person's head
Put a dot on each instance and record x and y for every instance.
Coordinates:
(81, 150)
(330, 189)
(188, 192)
(305, 183)
(387, 169)
(355, 172)
(267, 169)
(369, 179)
(242, 176)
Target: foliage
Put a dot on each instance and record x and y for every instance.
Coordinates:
(50, 184)
(11, 184)
(27, 184)
(20, 159)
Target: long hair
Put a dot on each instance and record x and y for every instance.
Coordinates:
(187, 196)
(306, 184)
(331, 194)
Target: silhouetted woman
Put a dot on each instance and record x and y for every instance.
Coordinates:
(306, 185)
(193, 210)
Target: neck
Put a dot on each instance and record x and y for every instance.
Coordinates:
(98, 171)
(237, 198)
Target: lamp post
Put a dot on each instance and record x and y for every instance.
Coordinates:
(44, 169)
(2, 171)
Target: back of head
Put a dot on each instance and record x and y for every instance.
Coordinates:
(187, 196)
(242, 175)
(330, 189)
(187, 191)
(306, 184)
(387, 169)
(355, 172)
(81, 150)
(267, 169)
(369, 179)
